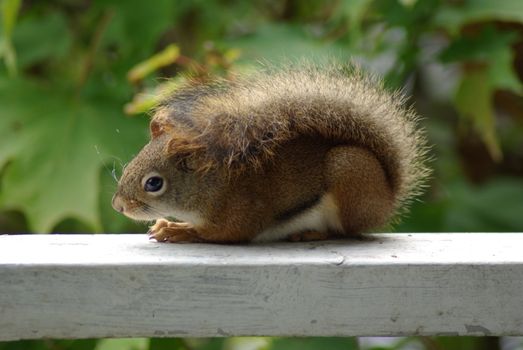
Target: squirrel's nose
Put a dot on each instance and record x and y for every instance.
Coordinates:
(117, 203)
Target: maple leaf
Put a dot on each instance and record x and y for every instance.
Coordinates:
(53, 147)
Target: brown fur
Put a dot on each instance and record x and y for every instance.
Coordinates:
(246, 154)
(364, 197)
(238, 124)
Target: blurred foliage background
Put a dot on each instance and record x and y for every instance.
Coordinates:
(77, 78)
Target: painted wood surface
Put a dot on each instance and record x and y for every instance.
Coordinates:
(82, 286)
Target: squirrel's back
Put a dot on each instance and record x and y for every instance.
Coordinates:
(240, 123)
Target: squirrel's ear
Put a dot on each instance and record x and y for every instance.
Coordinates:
(159, 127)
(156, 128)
(160, 123)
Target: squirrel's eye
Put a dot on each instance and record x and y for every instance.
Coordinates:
(153, 184)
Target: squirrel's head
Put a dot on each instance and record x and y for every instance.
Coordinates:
(156, 184)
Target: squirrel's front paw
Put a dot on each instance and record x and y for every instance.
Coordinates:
(173, 232)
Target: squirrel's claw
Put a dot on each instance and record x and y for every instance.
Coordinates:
(173, 232)
(158, 225)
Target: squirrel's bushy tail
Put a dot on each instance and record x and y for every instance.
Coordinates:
(240, 123)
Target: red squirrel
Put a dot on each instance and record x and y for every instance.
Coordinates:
(301, 154)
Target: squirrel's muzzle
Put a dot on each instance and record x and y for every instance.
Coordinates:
(117, 203)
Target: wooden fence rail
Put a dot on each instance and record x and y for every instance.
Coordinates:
(83, 286)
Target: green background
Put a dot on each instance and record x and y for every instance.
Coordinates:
(77, 78)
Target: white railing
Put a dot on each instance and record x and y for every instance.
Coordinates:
(85, 286)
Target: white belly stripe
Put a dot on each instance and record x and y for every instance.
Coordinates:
(322, 217)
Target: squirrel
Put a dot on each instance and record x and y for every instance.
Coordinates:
(302, 153)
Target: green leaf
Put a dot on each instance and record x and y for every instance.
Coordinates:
(248, 343)
(488, 62)
(166, 344)
(32, 38)
(480, 47)
(9, 10)
(493, 207)
(137, 25)
(278, 43)
(314, 343)
(491, 48)
(501, 72)
(78, 344)
(54, 148)
(123, 344)
(23, 345)
(354, 10)
(161, 59)
(425, 216)
(210, 344)
(143, 101)
(474, 103)
(411, 15)
(454, 16)
(84, 344)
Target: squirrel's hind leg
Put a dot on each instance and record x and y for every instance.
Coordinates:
(360, 189)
